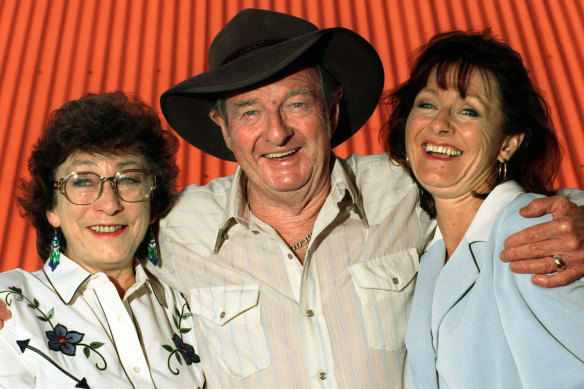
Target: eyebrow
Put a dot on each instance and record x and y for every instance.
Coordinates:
(290, 93)
(298, 91)
(472, 95)
(91, 163)
(245, 103)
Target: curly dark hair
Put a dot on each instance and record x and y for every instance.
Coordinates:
(535, 164)
(104, 124)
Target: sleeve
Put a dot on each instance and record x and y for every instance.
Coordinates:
(13, 371)
(543, 326)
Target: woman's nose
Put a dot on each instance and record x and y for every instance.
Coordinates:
(441, 122)
(108, 201)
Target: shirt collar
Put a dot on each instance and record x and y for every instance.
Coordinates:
(480, 227)
(68, 277)
(237, 211)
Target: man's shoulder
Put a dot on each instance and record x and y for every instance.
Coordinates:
(218, 189)
(377, 169)
(379, 175)
(204, 199)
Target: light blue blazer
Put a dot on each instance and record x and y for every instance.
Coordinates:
(476, 324)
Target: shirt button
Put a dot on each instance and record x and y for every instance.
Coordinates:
(222, 315)
(290, 256)
(322, 375)
(137, 370)
(310, 313)
(395, 280)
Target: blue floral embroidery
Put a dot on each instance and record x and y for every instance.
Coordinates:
(59, 339)
(62, 340)
(187, 351)
(181, 349)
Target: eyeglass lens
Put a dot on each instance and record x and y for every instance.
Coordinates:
(131, 186)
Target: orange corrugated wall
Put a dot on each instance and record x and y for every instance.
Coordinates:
(52, 51)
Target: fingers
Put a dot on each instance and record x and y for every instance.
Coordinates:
(533, 266)
(541, 240)
(552, 205)
(546, 273)
(558, 279)
(5, 314)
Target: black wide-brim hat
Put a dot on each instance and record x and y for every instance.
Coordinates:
(258, 45)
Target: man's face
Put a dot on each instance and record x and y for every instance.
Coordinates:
(279, 134)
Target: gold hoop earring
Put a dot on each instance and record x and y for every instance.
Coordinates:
(501, 171)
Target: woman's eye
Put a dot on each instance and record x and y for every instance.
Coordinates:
(81, 183)
(128, 181)
(425, 105)
(470, 112)
(297, 105)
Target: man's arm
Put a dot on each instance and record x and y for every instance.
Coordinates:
(532, 249)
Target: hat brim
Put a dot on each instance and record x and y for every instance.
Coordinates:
(349, 58)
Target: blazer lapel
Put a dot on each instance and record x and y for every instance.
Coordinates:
(457, 277)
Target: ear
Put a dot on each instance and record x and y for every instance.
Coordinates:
(53, 218)
(335, 108)
(510, 146)
(218, 120)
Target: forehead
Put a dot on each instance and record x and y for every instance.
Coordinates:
(304, 80)
(473, 81)
(101, 163)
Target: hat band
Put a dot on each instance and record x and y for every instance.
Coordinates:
(250, 47)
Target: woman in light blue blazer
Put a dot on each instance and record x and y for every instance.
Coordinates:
(477, 137)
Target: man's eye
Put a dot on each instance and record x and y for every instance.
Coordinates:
(297, 105)
(250, 113)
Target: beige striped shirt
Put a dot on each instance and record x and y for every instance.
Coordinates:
(264, 320)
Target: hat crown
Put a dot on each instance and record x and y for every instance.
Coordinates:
(251, 29)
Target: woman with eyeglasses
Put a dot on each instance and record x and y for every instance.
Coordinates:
(101, 176)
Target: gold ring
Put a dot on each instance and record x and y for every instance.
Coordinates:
(559, 262)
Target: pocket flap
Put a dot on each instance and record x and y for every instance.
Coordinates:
(220, 304)
(392, 272)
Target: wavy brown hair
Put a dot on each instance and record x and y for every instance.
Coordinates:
(104, 124)
(535, 164)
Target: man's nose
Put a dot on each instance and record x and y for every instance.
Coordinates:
(278, 130)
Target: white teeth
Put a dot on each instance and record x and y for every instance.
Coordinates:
(442, 150)
(280, 155)
(104, 229)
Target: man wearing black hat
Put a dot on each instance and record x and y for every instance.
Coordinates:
(300, 267)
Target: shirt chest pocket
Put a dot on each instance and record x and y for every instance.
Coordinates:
(229, 324)
(384, 287)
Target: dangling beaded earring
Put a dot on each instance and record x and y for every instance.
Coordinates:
(152, 251)
(55, 252)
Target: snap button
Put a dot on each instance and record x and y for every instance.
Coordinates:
(395, 280)
(290, 256)
(322, 375)
(310, 313)
(222, 315)
(137, 369)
